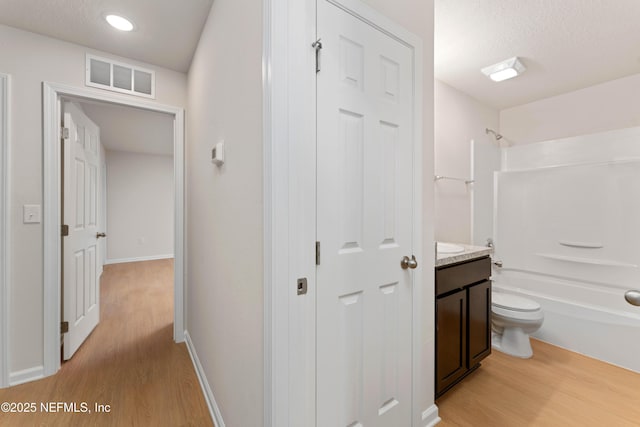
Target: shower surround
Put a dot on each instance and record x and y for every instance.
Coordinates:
(567, 230)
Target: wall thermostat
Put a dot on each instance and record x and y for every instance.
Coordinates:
(217, 154)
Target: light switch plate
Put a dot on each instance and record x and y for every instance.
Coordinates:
(31, 214)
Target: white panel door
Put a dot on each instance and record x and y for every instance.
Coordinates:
(364, 225)
(81, 288)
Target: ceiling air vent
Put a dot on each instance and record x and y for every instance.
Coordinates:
(107, 74)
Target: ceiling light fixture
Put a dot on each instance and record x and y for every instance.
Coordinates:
(504, 70)
(119, 23)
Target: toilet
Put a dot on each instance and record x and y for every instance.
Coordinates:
(513, 319)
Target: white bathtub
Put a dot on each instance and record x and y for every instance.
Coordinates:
(566, 230)
(591, 320)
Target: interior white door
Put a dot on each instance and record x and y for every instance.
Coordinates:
(81, 288)
(364, 225)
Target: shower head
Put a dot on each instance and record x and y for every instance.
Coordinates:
(496, 135)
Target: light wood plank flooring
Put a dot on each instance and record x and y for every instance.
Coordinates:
(129, 362)
(554, 388)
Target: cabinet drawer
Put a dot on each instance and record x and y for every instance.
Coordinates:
(460, 275)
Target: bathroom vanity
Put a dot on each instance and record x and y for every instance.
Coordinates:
(462, 314)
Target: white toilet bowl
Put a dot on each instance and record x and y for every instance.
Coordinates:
(513, 319)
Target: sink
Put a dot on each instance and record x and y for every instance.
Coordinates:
(449, 248)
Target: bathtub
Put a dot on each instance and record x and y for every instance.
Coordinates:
(566, 231)
(582, 317)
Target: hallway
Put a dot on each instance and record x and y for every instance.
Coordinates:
(129, 363)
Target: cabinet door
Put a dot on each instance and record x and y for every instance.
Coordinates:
(479, 332)
(451, 339)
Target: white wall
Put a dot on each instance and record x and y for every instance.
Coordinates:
(139, 206)
(607, 106)
(224, 301)
(459, 119)
(32, 59)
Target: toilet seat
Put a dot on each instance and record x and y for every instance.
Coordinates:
(513, 302)
(518, 315)
(515, 307)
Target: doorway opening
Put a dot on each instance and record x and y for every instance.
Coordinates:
(117, 198)
(54, 98)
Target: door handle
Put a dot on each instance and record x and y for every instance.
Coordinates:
(408, 262)
(99, 235)
(632, 297)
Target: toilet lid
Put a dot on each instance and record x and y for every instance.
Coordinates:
(512, 302)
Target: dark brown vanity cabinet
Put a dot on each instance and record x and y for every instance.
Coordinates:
(463, 320)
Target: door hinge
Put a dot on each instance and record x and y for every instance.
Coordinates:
(65, 230)
(317, 253)
(64, 327)
(64, 133)
(317, 45)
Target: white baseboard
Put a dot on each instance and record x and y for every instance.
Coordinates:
(430, 417)
(137, 259)
(26, 375)
(216, 415)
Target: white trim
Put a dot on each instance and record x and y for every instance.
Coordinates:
(214, 410)
(290, 210)
(51, 209)
(26, 375)
(289, 144)
(179, 226)
(137, 259)
(430, 417)
(267, 249)
(359, 9)
(5, 88)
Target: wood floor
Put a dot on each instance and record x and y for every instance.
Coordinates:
(554, 388)
(129, 362)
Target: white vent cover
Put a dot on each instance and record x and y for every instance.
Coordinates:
(120, 77)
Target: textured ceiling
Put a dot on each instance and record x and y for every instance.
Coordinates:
(166, 33)
(132, 129)
(565, 44)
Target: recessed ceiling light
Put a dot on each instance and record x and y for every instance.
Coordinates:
(119, 23)
(504, 70)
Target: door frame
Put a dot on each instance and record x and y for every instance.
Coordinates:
(52, 92)
(289, 108)
(5, 125)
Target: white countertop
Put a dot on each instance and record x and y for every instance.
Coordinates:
(470, 252)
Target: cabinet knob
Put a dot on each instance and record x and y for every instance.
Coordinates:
(407, 262)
